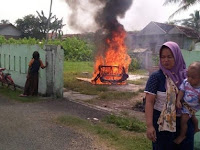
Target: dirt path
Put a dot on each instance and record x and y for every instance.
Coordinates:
(115, 106)
(124, 107)
(29, 126)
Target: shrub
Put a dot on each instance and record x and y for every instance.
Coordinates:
(2, 40)
(155, 60)
(77, 50)
(74, 48)
(135, 65)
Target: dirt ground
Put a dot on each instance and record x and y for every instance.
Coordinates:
(123, 107)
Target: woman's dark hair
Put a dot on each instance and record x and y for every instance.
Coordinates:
(162, 49)
(36, 55)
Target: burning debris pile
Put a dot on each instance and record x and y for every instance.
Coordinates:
(112, 60)
(111, 74)
(111, 64)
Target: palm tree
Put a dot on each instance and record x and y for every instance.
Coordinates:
(56, 27)
(193, 21)
(184, 5)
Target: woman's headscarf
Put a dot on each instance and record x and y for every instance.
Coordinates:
(174, 77)
(178, 72)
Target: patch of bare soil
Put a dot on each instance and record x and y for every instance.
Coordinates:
(124, 107)
(126, 88)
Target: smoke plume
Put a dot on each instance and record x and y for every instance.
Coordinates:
(92, 15)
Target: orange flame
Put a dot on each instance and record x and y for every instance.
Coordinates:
(115, 55)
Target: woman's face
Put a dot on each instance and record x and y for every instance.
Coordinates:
(167, 58)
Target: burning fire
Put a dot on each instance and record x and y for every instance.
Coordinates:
(112, 67)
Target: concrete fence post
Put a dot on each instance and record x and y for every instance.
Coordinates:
(54, 71)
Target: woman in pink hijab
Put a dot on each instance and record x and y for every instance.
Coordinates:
(162, 117)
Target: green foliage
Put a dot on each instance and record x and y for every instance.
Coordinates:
(183, 5)
(2, 39)
(156, 60)
(135, 65)
(30, 41)
(74, 48)
(193, 21)
(130, 124)
(77, 50)
(30, 27)
(54, 23)
(38, 26)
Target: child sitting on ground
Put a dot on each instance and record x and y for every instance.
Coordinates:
(190, 94)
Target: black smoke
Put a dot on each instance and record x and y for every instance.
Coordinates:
(107, 17)
(100, 14)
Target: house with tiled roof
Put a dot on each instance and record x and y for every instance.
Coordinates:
(9, 30)
(155, 34)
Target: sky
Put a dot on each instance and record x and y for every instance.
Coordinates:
(137, 17)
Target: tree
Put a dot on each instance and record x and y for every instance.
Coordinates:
(192, 22)
(30, 27)
(52, 23)
(37, 27)
(5, 21)
(184, 5)
(56, 27)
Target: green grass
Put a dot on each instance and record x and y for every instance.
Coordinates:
(113, 95)
(130, 124)
(141, 81)
(15, 95)
(70, 82)
(78, 67)
(140, 72)
(113, 136)
(72, 70)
